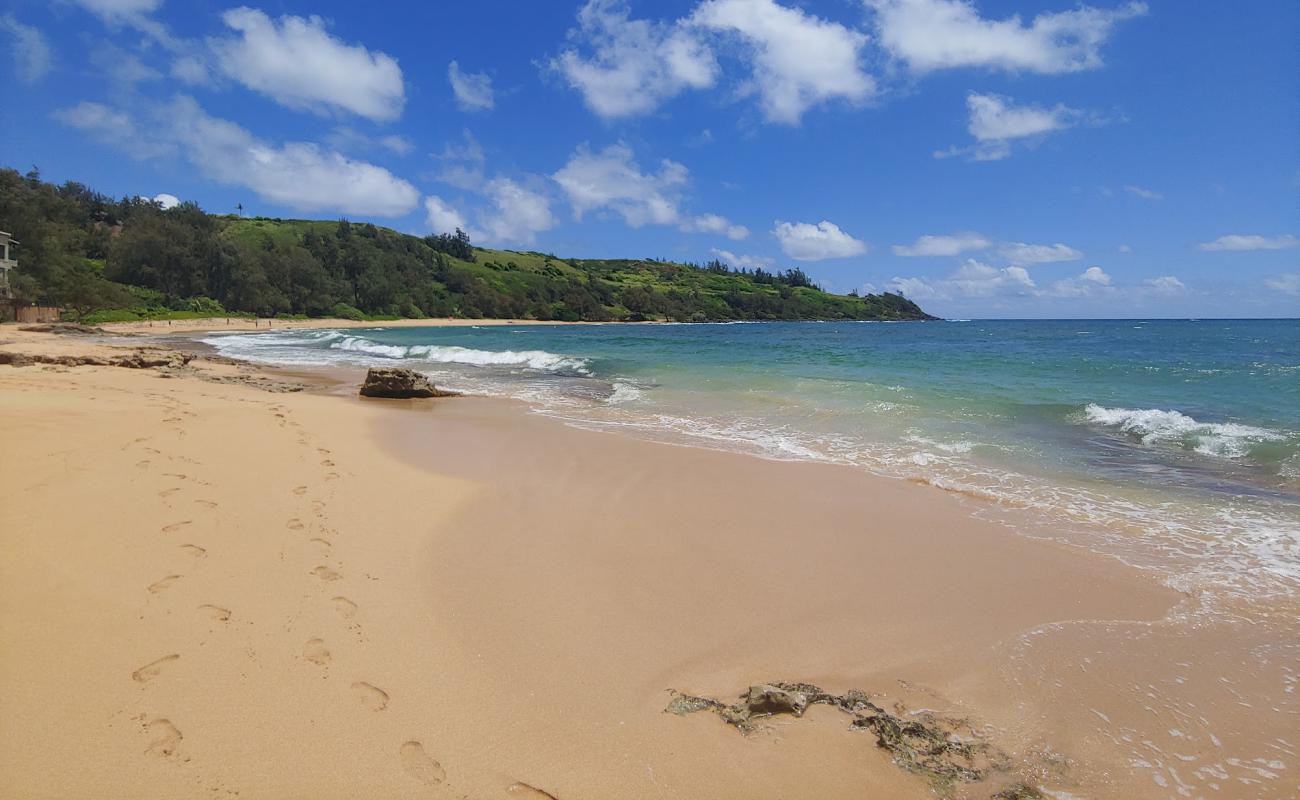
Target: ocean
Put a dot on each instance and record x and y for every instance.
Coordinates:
(1171, 444)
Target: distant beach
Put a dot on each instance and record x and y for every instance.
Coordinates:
(268, 586)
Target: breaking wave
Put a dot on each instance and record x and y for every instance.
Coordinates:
(1155, 426)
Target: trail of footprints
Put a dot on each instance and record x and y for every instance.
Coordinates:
(163, 738)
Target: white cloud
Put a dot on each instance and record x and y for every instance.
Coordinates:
(1125, 248)
(191, 70)
(515, 215)
(1288, 283)
(473, 90)
(635, 64)
(799, 60)
(463, 162)
(518, 214)
(1145, 194)
(119, 8)
(1029, 254)
(745, 261)
(297, 63)
(345, 138)
(942, 34)
(301, 175)
(972, 279)
(30, 50)
(996, 122)
(441, 217)
(1238, 242)
(612, 180)
(1091, 282)
(804, 241)
(1165, 284)
(166, 200)
(714, 223)
(947, 245)
(114, 128)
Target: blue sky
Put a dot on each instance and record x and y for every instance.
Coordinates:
(986, 158)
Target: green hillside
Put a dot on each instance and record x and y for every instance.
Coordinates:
(111, 259)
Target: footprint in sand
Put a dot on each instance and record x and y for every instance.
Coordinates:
(158, 586)
(300, 490)
(419, 766)
(521, 789)
(216, 613)
(315, 652)
(178, 476)
(323, 544)
(195, 550)
(327, 463)
(143, 464)
(175, 526)
(169, 492)
(345, 607)
(165, 739)
(370, 696)
(151, 670)
(294, 524)
(206, 503)
(325, 573)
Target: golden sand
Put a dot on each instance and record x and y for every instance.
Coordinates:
(209, 589)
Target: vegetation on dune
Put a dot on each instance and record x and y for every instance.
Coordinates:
(106, 259)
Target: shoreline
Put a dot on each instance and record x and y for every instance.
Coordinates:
(555, 580)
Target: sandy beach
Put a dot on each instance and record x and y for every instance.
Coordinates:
(213, 587)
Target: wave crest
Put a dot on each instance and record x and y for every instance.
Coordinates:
(1156, 426)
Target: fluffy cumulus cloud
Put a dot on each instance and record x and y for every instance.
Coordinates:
(296, 62)
(1091, 282)
(28, 48)
(745, 261)
(300, 175)
(473, 90)
(1029, 254)
(517, 215)
(166, 200)
(949, 245)
(1240, 242)
(624, 66)
(611, 180)
(997, 122)
(798, 60)
(930, 35)
(805, 241)
(717, 224)
(510, 213)
(1165, 285)
(971, 279)
(441, 217)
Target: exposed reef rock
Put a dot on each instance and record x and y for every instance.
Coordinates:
(944, 749)
(64, 328)
(398, 383)
(141, 358)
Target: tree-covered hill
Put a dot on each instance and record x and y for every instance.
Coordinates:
(91, 253)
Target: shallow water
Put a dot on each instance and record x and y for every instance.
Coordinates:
(1171, 444)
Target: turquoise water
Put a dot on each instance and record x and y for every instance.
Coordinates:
(1172, 444)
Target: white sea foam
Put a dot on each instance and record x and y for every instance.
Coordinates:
(531, 359)
(1156, 426)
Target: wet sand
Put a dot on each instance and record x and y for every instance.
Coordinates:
(209, 589)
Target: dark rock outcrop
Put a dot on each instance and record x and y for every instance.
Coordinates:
(398, 383)
(142, 358)
(945, 750)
